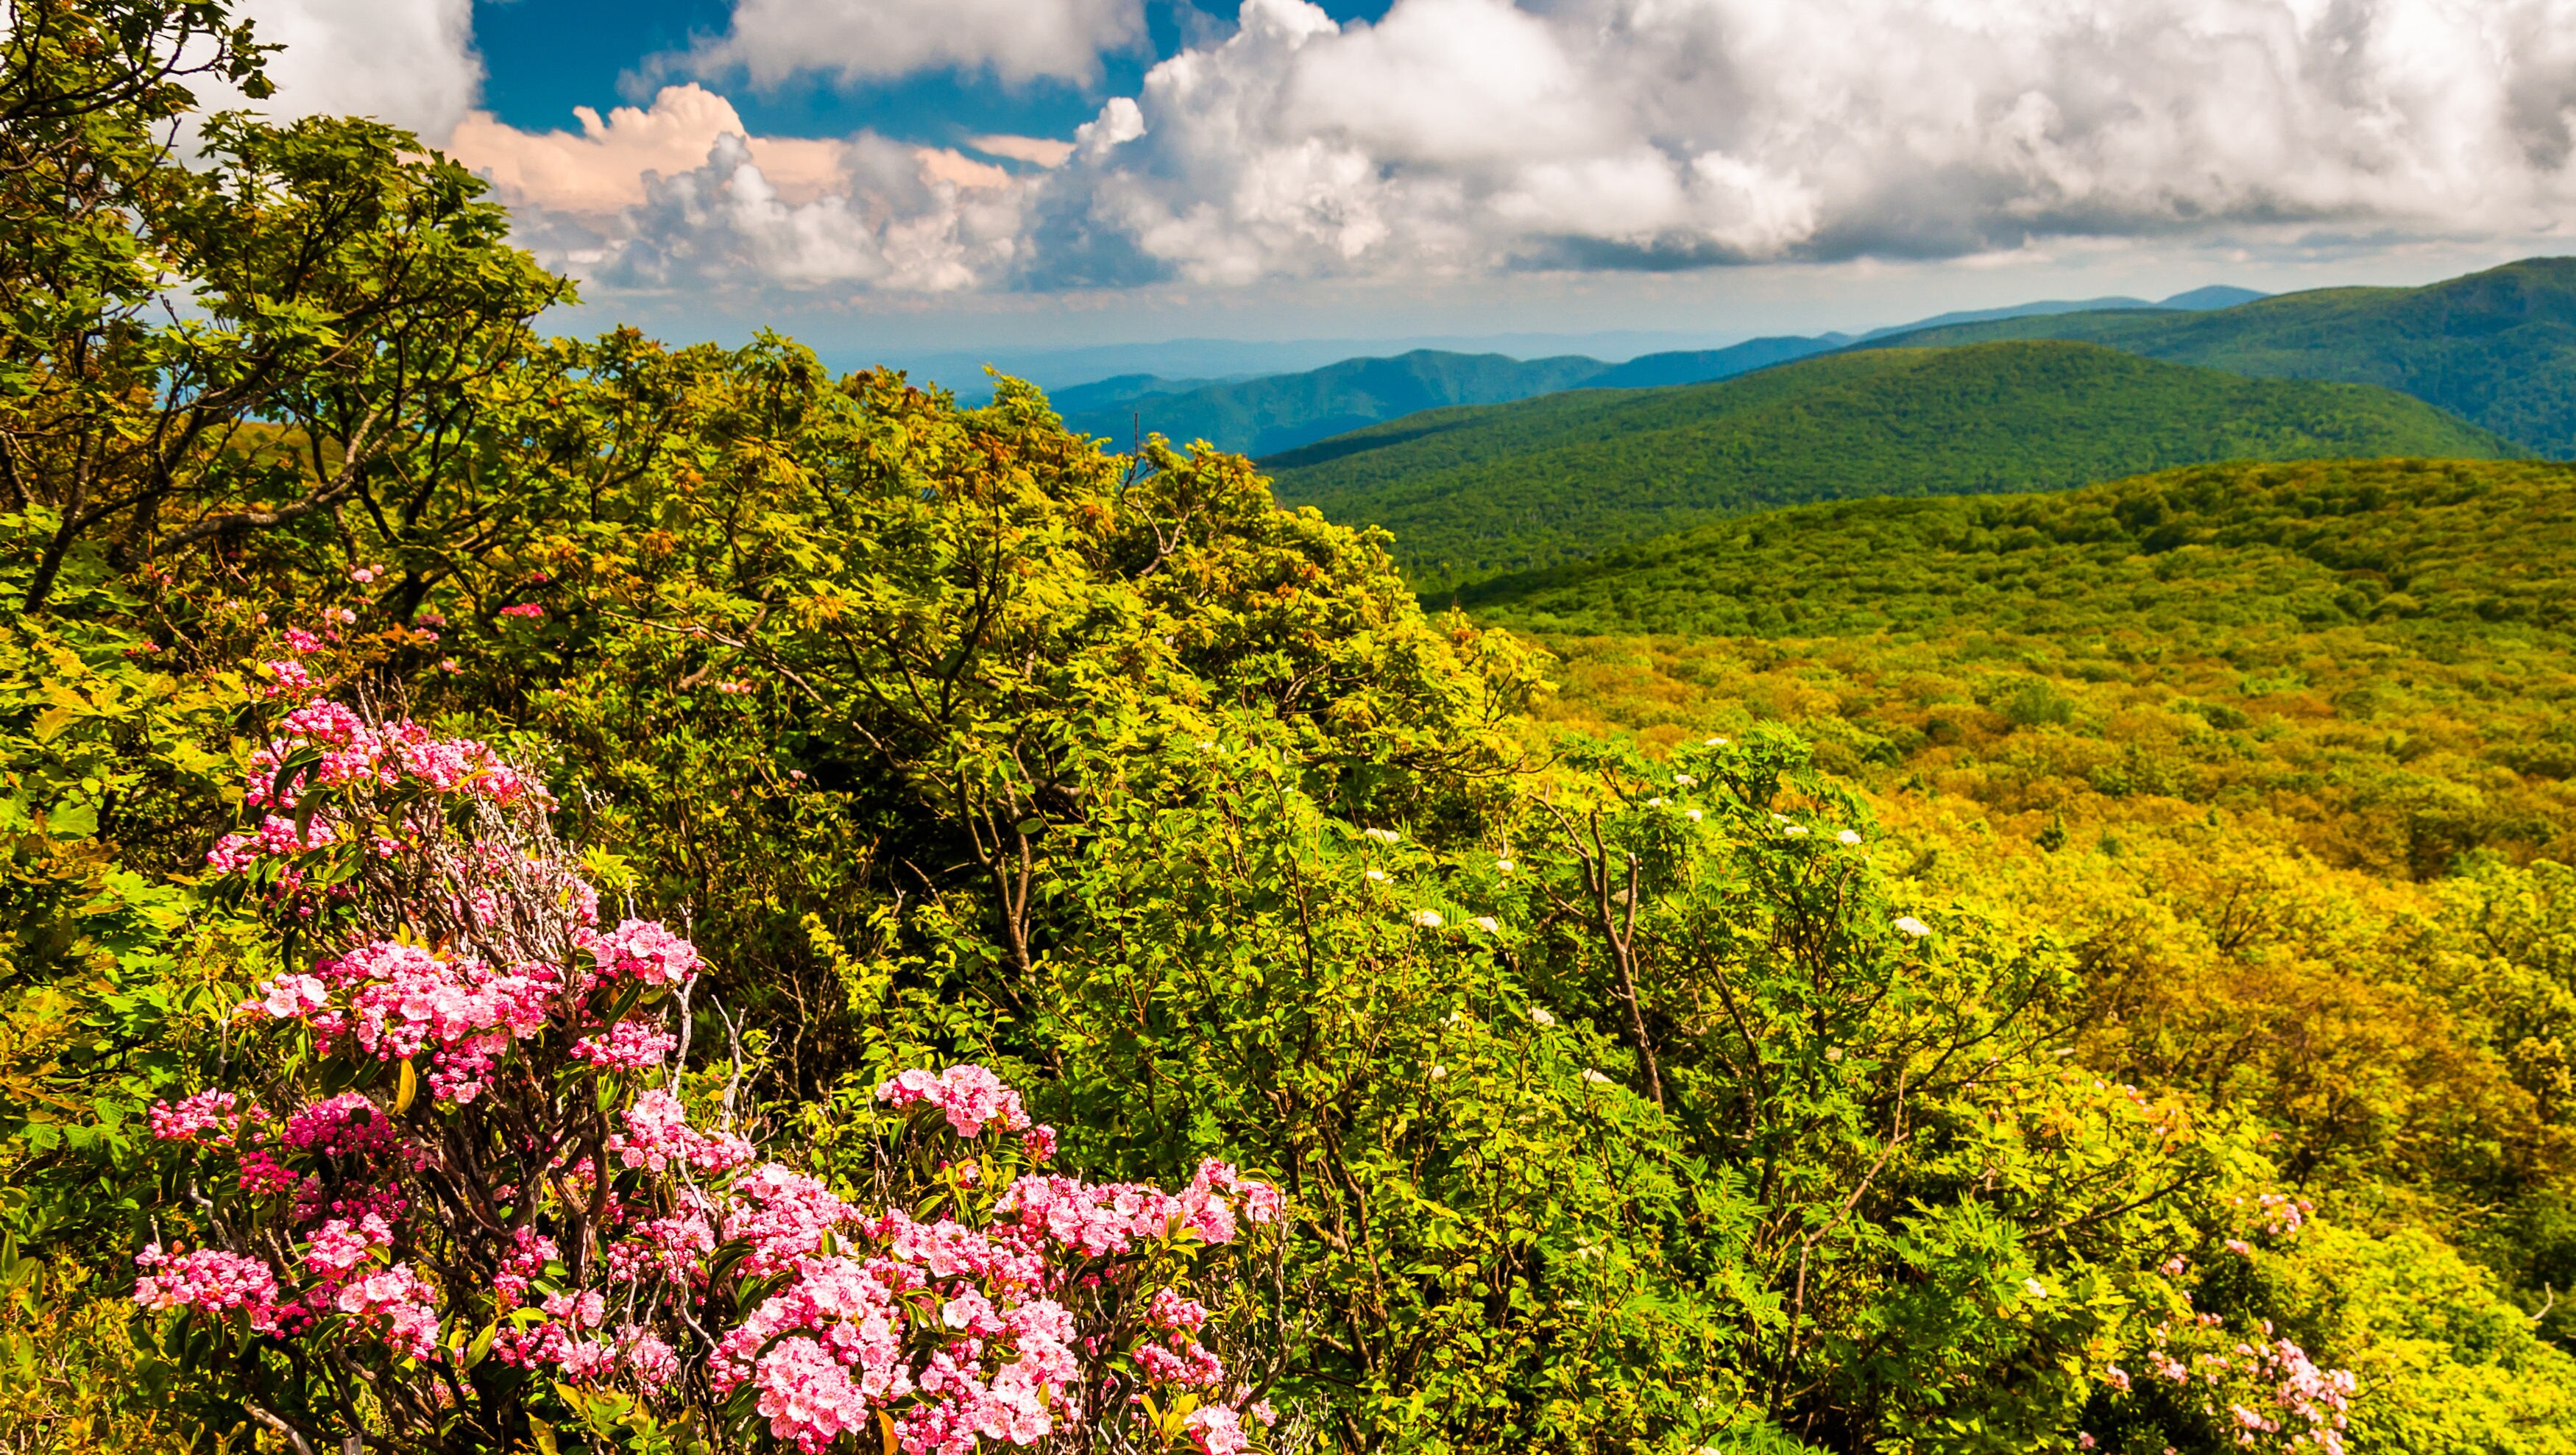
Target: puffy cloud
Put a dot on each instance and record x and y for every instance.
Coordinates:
(899, 218)
(1039, 151)
(1460, 136)
(1016, 40)
(600, 170)
(408, 62)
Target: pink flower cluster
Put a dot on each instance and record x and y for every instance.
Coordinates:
(191, 1118)
(627, 1046)
(641, 949)
(972, 1097)
(1001, 1367)
(399, 1307)
(341, 1246)
(1105, 1220)
(352, 753)
(658, 1136)
(288, 678)
(2281, 1395)
(783, 1215)
(401, 1001)
(208, 1280)
(2278, 1214)
(347, 1125)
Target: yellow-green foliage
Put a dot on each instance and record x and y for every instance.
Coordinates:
(2305, 842)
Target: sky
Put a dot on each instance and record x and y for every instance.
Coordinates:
(906, 176)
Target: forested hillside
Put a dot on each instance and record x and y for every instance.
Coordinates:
(2249, 735)
(2497, 348)
(1470, 493)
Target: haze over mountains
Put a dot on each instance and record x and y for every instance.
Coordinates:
(1273, 412)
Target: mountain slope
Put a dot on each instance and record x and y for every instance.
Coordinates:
(1474, 492)
(1281, 411)
(2497, 348)
(1268, 413)
(2221, 547)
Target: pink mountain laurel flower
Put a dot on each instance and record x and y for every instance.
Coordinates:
(973, 1098)
(658, 1137)
(190, 1119)
(1218, 1429)
(262, 1175)
(291, 996)
(340, 1247)
(643, 950)
(1169, 1310)
(527, 609)
(628, 1046)
(208, 1281)
(399, 1306)
(287, 678)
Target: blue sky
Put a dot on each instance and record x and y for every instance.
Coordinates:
(542, 58)
(895, 177)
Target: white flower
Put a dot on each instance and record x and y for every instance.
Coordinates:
(2035, 1288)
(1428, 919)
(1502, 866)
(1489, 924)
(1375, 876)
(1692, 814)
(1439, 1073)
(1383, 836)
(1595, 1077)
(1913, 928)
(1459, 1017)
(1540, 1015)
(1796, 831)
(1654, 803)
(1716, 743)
(1847, 836)
(1684, 780)
(1206, 746)
(1833, 1053)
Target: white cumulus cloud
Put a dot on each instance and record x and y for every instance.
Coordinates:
(408, 62)
(1458, 136)
(1015, 40)
(601, 168)
(899, 218)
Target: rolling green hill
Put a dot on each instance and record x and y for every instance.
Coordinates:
(1277, 412)
(2497, 348)
(2224, 547)
(1471, 493)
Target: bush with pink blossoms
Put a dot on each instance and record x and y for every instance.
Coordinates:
(451, 1192)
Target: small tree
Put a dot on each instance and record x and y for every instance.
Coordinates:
(446, 1193)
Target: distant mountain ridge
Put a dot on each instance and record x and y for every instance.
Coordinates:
(2497, 348)
(1267, 414)
(1479, 491)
